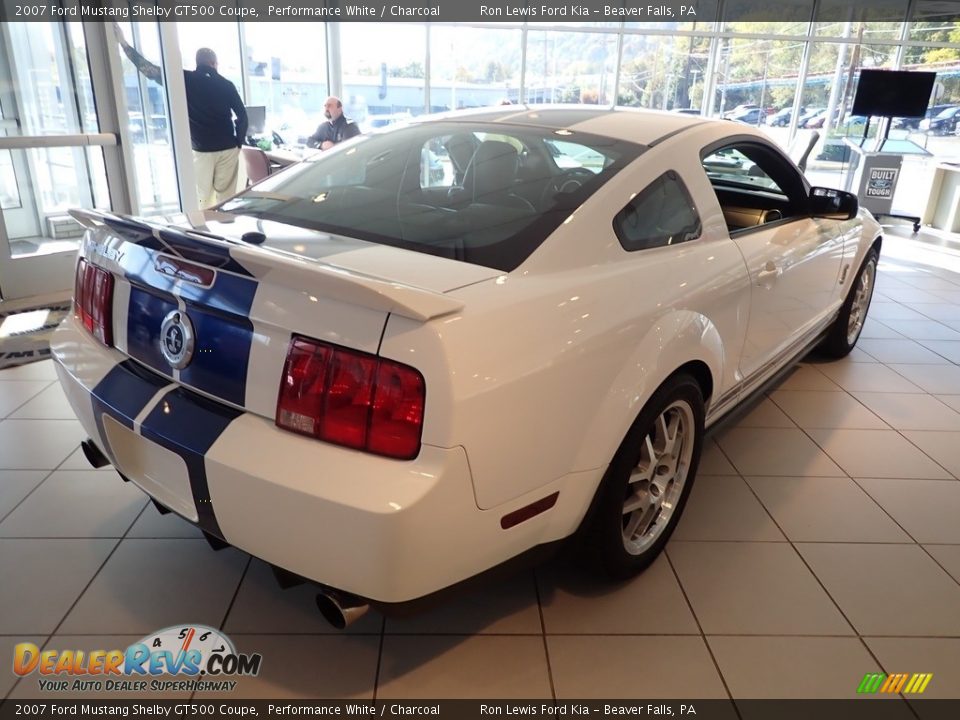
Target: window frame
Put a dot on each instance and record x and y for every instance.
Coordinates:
(676, 177)
(790, 172)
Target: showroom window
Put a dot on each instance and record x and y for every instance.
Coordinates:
(571, 67)
(384, 72)
(663, 72)
(474, 67)
(662, 214)
(286, 66)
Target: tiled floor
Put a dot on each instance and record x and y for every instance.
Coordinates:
(821, 542)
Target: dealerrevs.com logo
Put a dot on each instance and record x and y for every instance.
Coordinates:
(189, 657)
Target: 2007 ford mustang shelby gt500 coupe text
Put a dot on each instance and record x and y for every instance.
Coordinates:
(413, 357)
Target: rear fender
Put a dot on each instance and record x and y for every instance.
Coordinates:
(678, 338)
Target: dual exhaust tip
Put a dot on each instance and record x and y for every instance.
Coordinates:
(338, 608)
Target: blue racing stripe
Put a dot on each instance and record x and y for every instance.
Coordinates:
(145, 314)
(221, 355)
(188, 424)
(123, 393)
(214, 252)
(230, 293)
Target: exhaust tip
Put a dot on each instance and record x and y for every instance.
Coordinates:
(339, 609)
(93, 454)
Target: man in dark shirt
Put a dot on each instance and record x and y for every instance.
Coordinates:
(336, 129)
(216, 137)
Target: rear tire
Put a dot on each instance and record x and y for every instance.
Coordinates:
(646, 486)
(846, 329)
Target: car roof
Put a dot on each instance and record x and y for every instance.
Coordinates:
(645, 127)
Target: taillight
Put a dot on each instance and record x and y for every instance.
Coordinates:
(351, 398)
(93, 300)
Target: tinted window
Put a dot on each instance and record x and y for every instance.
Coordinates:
(487, 194)
(663, 214)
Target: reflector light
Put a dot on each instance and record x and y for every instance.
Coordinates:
(351, 398)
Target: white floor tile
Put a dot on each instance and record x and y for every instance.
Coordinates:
(14, 393)
(49, 576)
(810, 509)
(606, 667)
(858, 578)
(761, 451)
(577, 602)
(754, 589)
(51, 404)
(76, 503)
(152, 584)
(37, 444)
(724, 508)
(791, 667)
(454, 666)
(876, 453)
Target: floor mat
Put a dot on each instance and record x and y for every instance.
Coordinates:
(25, 334)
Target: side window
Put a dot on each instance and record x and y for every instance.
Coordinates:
(755, 185)
(662, 214)
(729, 165)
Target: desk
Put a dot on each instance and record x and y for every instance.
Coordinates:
(943, 205)
(284, 156)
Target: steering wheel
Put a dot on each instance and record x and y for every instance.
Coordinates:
(566, 182)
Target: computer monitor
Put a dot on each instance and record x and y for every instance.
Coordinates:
(256, 119)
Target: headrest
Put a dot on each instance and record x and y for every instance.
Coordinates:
(494, 168)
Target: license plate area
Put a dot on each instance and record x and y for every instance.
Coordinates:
(160, 473)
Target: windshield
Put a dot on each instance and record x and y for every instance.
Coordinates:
(487, 194)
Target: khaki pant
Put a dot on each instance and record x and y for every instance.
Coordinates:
(216, 175)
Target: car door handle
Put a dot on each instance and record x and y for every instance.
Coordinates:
(769, 274)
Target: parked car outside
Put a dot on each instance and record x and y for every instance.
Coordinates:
(943, 123)
(781, 118)
(750, 117)
(807, 115)
(387, 386)
(914, 123)
(739, 109)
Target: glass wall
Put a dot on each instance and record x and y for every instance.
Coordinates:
(149, 121)
(384, 72)
(286, 66)
(39, 62)
(473, 67)
(788, 78)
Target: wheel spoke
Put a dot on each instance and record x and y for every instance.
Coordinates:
(671, 431)
(635, 502)
(632, 524)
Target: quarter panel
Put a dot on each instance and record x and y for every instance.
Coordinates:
(541, 374)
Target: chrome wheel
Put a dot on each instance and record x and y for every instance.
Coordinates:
(656, 483)
(861, 301)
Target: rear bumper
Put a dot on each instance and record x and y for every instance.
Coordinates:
(386, 530)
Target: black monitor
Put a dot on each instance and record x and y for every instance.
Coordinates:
(256, 119)
(893, 93)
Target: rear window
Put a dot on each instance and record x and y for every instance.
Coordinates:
(487, 194)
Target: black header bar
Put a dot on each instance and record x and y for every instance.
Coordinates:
(667, 13)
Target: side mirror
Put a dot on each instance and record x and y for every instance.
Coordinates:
(833, 204)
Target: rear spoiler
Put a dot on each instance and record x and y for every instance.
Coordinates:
(234, 256)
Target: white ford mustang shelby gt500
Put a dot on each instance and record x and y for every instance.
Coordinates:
(411, 358)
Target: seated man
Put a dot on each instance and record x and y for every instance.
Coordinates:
(336, 129)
